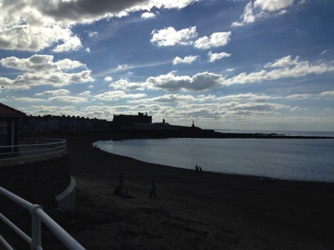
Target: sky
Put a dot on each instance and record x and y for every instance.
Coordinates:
(224, 64)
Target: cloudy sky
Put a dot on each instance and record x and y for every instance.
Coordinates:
(229, 64)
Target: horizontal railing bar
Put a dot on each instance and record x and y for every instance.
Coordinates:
(39, 147)
(36, 210)
(61, 234)
(15, 198)
(56, 141)
(16, 229)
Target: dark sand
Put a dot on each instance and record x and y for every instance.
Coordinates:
(204, 211)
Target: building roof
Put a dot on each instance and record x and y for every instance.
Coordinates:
(6, 111)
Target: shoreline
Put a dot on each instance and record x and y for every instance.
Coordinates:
(259, 177)
(302, 177)
(125, 134)
(204, 211)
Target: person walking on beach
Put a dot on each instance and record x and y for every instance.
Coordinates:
(153, 191)
(121, 180)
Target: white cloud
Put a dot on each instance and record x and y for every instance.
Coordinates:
(299, 96)
(248, 97)
(327, 94)
(70, 99)
(259, 9)
(283, 62)
(63, 95)
(68, 43)
(117, 95)
(176, 4)
(122, 67)
(25, 27)
(57, 92)
(283, 68)
(85, 94)
(272, 5)
(324, 52)
(256, 108)
(199, 82)
(280, 69)
(217, 56)
(42, 70)
(187, 59)
(148, 15)
(215, 40)
(247, 16)
(127, 85)
(93, 34)
(282, 12)
(32, 25)
(108, 78)
(52, 109)
(170, 98)
(170, 37)
(28, 99)
(40, 63)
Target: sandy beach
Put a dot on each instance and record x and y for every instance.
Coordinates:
(191, 211)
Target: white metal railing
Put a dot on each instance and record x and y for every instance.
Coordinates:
(38, 215)
(30, 149)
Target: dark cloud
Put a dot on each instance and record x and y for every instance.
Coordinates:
(81, 9)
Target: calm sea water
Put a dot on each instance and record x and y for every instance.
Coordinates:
(306, 159)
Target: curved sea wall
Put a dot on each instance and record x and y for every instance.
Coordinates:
(38, 182)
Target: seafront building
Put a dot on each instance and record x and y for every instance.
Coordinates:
(50, 123)
(131, 121)
(9, 127)
(42, 164)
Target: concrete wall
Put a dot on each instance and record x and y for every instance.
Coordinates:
(66, 200)
(37, 182)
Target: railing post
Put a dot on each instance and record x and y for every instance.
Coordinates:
(36, 228)
(38, 216)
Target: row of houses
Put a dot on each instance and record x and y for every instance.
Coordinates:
(76, 123)
(50, 123)
(62, 123)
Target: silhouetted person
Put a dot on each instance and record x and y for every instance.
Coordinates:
(153, 191)
(125, 193)
(200, 169)
(121, 180)
(197, 169)
(118, 191)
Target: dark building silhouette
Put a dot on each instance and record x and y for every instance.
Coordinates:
(50, 123)
(131, 121)
(9, 126)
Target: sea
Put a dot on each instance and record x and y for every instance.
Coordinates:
(288, 159)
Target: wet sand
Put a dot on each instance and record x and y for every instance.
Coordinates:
(191, 211)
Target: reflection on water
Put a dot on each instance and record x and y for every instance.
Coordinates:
(296, 159)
